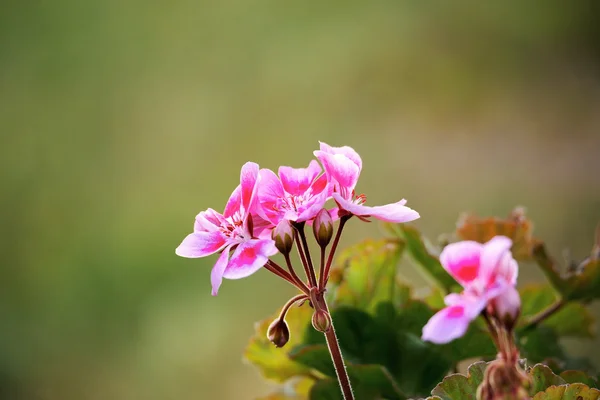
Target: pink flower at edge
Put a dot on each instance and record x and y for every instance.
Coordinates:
(232, 230)
(343, 166)
(488, 274)
(297, 195)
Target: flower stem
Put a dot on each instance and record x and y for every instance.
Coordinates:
(290, 303)
(302, 247)
(542, 315)
(280, 272)
(295, 276)
(336, 240)
(337, 358)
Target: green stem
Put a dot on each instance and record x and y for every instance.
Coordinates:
(542, 315)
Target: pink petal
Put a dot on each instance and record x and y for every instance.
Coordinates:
(340, 168)
(208, 221)
(345, 150)
(216, 275)
(201, 244)
(269, 193)
(461, 260)
(395, 212)
(234, 203)
(448, 324)
(496, 260)
(249, 257)
(311, 207)
(296, 181)
(248, 177)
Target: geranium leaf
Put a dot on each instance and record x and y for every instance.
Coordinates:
(365, 274)
(369, 382)
(314, 356)
(427, 262)
(576, 391)
(572, 376)
(581, 283)
(517, 227)
(459, 386)
(573, 319)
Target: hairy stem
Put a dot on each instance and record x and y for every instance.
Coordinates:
(290, 303)
(337, 358)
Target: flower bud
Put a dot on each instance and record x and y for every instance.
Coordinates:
(323, 227)
(278, 333)
(507, 307)
(321, 320)
(283, 235)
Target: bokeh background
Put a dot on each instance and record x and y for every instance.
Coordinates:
(119, 121)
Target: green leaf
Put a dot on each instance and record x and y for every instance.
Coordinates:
(460, 387)
(542, 378)
(572, 376)
(294, 389)
(384, 340)
(583, 283)
(572, 320)
(538, 344)
(428, 263)
(273, 362)
(369, 382)
(365, 274)
(577, 391)
(314, 356)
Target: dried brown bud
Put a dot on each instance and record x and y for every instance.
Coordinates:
(283, 235)
(278, 333)
(323, 227)
(321, 320)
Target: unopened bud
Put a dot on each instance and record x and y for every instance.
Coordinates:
(278, 333)
(283, 235)
(321, 320)
(323, 227)
(507, 307)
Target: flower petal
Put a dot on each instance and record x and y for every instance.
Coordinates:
(249, 257)
(208, 221)
(269, 193)
(296, 181)
(311, 207)
(448, 324)
(462, 260)
(340, 169)
(496, 261)
(345, 150)
(201, 244)
(216, 275)
(395, 212)
(248, 178)
(234, 203)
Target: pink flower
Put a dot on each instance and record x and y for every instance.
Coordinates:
(298, 194)
(232, 230)
(488, 274)
(342, 166)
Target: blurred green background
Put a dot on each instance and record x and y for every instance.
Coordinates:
(122, 120)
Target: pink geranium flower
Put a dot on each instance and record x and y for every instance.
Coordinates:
(297, 195)
(488, 273)
(342, 166)
(232, 230)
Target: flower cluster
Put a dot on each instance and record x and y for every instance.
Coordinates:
(267, 211)
(488, 274)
